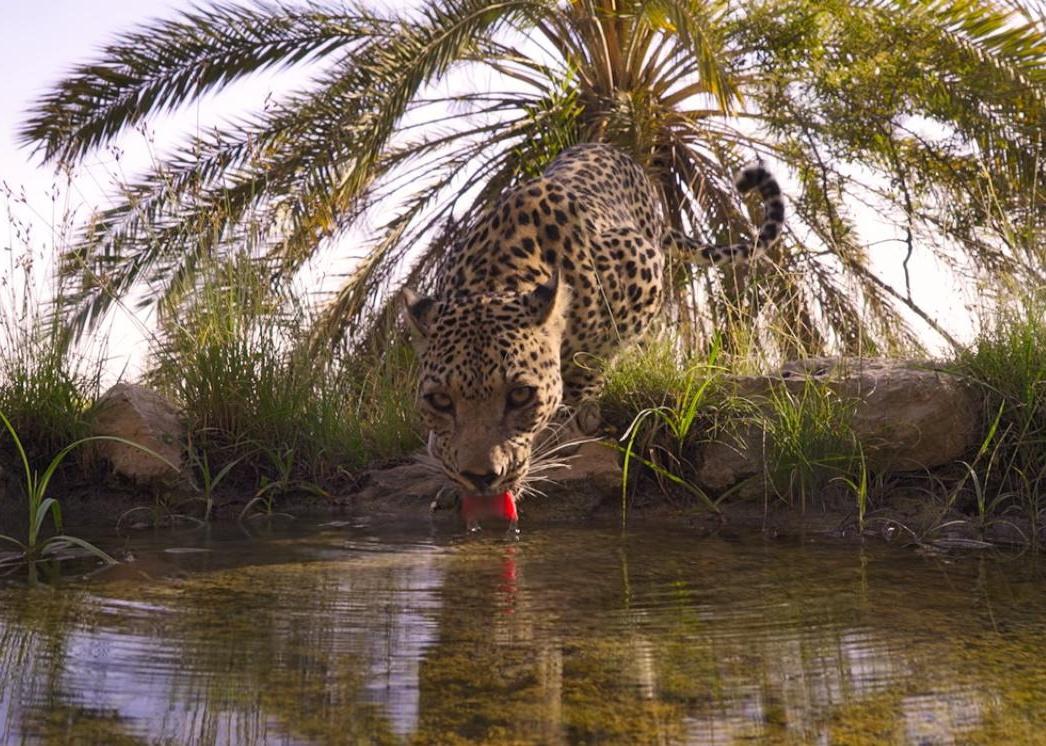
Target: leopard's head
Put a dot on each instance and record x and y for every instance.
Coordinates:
(489, 379)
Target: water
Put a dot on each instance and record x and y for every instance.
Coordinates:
(339, 634)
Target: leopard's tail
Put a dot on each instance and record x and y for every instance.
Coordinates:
(751, 177)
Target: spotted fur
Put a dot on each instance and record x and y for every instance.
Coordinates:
(563, 271)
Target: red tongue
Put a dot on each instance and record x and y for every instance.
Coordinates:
(508, 506)
(475, 507)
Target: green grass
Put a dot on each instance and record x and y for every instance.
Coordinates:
(1008, 363)
(35, 485)
(810, 441)
(654, 374)
(47, 386)
(263, 502)
(268, 413)
(674, 406)
(661, 435)
(41, 505)
(667, 405)
(46, 398)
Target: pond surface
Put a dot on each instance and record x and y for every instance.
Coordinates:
(342, 634)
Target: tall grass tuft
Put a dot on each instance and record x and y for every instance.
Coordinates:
(667, 402)
(44, 392)
(262, 406)
(1008, 361)
(46, 385)
(810, 441)
(652, 374)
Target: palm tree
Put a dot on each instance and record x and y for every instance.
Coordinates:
(928, 112)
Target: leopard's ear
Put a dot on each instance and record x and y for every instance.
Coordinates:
(418, 310)
(548, 302)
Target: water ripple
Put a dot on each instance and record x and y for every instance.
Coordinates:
(345, 635)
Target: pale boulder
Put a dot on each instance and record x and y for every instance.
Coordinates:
(140, 415)
(911, 416)
(908, 416)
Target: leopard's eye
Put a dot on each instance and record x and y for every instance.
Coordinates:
(521, 396)
(439, 402)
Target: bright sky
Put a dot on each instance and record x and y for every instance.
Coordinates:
(42, 41)
(45, 39)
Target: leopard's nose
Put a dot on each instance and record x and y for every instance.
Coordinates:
(482, 482)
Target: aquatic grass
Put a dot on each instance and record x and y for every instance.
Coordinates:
(41, 506)
(209, 479)
(166, 509)
(284, 462)
(858, 485)
(976, 477)
(35, 486)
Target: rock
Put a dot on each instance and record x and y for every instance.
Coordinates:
(912, 415)
(724, 463)
(587, 477)
(594, 468)
(140, 415)
(907, 415)
(406, 488)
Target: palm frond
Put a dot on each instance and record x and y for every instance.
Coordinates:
(834, 94)
(169, 63)
(304, 168)
(694, 23)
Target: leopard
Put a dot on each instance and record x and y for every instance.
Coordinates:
(560, 274)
